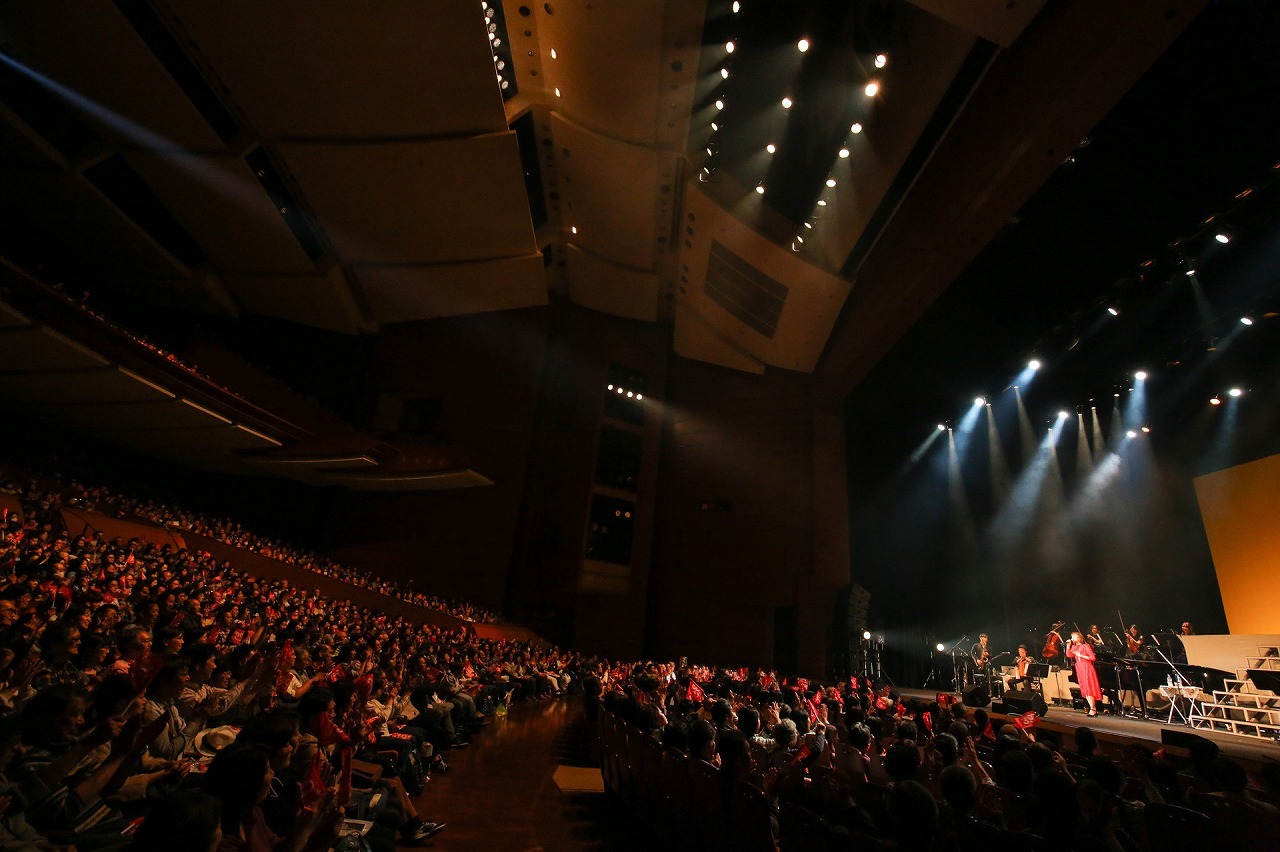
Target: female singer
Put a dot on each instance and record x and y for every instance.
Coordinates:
(1083, 654)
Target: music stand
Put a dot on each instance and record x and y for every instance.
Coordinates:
(1038, 671)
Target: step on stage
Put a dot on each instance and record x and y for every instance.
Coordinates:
(1152, 731)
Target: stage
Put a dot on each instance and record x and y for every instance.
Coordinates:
(1121, 730)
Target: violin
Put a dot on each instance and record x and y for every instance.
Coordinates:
(1052, 643)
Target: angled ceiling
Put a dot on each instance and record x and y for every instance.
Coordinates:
(349, 167)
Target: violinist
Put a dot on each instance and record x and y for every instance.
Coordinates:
(1095, 636)
(1134, 641)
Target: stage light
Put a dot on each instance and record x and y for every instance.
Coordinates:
(978, 400)
(941, 428)
(872, 89)
(630, 394)
(728, 47)
(844, 153)
(786, 103)
(724, 73)
(1131, 434)
(940, 647)
(1246, 321)
(1235, 392)
(1141, 375)
(771, 147)
(719, 104)
(799, 239)
(866, 634)
(831, 182)
(808, 225)
(1191, 272)
(710, 153)
(802, 45)
(553, 53)
(1063, 415)
(639, 396)
(759, 189)
(737, 7)
(856, 127)
(620, 391)
(882, 59)
(557, 91)
(822, 202)
(1146, 430)
(1222, 238)
(1033, 364)
(1113, 312)
(610, 387)
(714, 126)
(573, 229)
(1214, 401)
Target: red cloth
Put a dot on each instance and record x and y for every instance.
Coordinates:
(694, 692)
(1086, 674)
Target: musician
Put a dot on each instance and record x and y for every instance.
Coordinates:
(1134, 641)
(1187, 629)
(981, 655)
(1023, 663)
(1084, 656)
(1095, 637)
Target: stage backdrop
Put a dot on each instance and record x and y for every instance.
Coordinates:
(1238, 506)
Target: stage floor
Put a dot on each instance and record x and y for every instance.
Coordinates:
(1147, 730)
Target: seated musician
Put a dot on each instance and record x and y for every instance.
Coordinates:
(1023, 663)
(1094, 637)
(1134, 641)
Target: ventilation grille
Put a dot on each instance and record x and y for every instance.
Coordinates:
(752, 297)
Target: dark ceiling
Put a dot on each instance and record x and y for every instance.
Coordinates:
(1196, 131)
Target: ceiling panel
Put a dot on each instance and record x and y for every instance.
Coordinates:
(320, 300)
(224, 208)
(434, 201)
(910, 93)
(333, 69)
(407, 293)
(105, 71)
(610, 193)
(1001, 21)
(813, 300)
(108, 385)
(694, 338)
(596, 283)
(117, 416)
(22, 348)
(603, 86)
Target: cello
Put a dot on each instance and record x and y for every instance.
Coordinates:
(1052, 643)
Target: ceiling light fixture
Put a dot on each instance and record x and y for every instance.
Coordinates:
(802, 45)
(759, 189)
(724, 73)
(1246, 321)
(882, 59)
(719, 103)
(831, 182)
(786, 103)
(844, 153)
(1235, 392)
(856, 127)
(1222, 238)
(728, 47)
(872, 89)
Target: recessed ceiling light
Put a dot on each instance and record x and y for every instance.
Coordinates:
(786, 103)
(872, 89)
(802, 45)
(728, 47)
(1222, 238)
(771, 148)
(856, 127)
(719, 104)
(844, 153)
(724, 73)
(759, 189)
(831, 182)
(882, 59)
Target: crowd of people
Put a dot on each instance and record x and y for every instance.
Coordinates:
(228, 531)
(154, 698)
(852, 766)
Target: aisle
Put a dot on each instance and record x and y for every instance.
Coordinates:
(499, 796)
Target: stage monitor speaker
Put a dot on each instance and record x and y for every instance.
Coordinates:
(1019, 701)
(977, 696)
(1181, 739)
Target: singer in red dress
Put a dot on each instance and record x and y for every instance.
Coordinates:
(1086, 675)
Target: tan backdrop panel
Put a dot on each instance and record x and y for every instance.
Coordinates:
(1238, 506)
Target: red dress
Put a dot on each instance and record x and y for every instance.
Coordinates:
(1086, 675)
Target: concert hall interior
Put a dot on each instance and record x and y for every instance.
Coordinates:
(813, 337)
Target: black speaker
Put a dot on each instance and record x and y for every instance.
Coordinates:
(1019, 701)
(977, 696)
